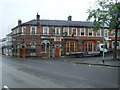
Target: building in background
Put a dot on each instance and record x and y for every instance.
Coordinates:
(7, 45)
(0, 46)
(40, 37)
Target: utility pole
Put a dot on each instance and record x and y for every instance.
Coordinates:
(103, 31)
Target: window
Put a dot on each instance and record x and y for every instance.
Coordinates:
(72, 46)
(57, 31)
(105, 33)
(90, 32)
(89, 46)
(74, 31)
(43, 46)
(45, 30)
(32, 43)
(82, 32)
(23, 30)
(65, 31)
(17, 30)
(33, 30)
(98, 33)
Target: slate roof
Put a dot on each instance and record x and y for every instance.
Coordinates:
(58, 23)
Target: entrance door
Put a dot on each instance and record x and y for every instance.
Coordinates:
(57, 52)
(23, 53)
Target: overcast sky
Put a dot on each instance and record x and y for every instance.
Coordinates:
(26, 10)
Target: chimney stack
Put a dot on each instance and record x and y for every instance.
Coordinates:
(19, 22)
(38, 17)
(69, 18)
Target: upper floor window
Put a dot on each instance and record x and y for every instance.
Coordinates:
(74, 31)
(17, 30)
(98, 33)
(45, 30)
(57, 31)
(33, 30)
(14, 32)
(82, 32)
(105, 33)
(90, 32)
(23, 30)
(65, 31)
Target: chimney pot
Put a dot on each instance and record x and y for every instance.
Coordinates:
(38, 16)
(19, 22)
(69, 18)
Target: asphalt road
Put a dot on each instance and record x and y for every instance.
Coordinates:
(44, 73)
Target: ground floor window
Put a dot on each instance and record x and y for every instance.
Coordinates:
(71, 46)
(89, 46)
(43, 47)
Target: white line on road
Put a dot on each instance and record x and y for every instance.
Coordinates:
(6, 87)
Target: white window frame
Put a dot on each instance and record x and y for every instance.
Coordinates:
(14, 31)
(92, 32)
(23, 29)
(66, 28)
(113, 33)
(84, 31)
(97, 32)
(44, 30)
(118, 47)
(76, 31)
(17, 30)
(31, 30)
(107, 32)
(56, 30)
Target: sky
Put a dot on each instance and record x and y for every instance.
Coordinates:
(13, 10)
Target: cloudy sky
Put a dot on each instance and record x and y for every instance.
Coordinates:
(13, 10)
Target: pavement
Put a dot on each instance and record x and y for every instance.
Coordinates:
(98, 60)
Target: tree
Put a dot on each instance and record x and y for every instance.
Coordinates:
(107, 15)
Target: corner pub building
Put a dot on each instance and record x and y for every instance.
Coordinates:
(50, 38)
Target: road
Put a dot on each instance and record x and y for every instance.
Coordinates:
(45, 73)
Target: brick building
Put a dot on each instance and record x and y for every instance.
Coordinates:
(40, 37)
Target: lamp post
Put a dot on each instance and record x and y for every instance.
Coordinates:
(103, 31)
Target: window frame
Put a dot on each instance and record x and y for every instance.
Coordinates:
(106, 32)
(47, 28)
(23, 30)
(66, 28)
(56, 30)
(32, 30)
(81, 30)
(97, 33)
(75, 32)
(89, 32)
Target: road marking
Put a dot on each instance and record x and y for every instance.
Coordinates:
(74, 64)
(89, 65)
(6, 87)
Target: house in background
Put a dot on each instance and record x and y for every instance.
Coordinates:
(39, 37)
(7, 45)
(0, 46)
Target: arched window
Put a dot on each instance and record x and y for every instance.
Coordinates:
(43, 46)
(32, 43)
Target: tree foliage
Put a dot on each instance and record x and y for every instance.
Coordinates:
(107, 14)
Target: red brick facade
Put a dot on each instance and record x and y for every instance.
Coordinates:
(50, 44)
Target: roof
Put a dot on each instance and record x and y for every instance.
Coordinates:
(58, 23)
